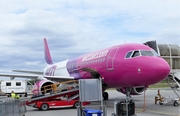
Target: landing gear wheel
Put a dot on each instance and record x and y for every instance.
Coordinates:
(160, 103)
(176, 103)
(105, 95)
(113, 114)
(76, 104)
(44, 107)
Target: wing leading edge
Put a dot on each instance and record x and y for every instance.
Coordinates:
(28, 71)
(38, 77)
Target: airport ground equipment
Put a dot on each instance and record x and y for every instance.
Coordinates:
(166, 100)
(174, 83)
(90, 112)
(68, 97)
(91, 90)
(58, 103)
(12, 107)
(124, 107)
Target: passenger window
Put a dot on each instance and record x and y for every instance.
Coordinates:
(135, 54)
(128, 55)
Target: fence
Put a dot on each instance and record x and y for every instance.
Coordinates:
(12, 107)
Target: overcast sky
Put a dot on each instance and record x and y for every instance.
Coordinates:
(75, 27)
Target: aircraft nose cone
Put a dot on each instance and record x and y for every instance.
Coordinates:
(161, 69)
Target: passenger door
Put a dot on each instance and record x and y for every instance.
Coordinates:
(110, 58)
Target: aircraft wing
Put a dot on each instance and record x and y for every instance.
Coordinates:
(19, 75)
(59, 77)
(33, 72)
(39, 77)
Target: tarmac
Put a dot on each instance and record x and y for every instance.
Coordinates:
(144, 105)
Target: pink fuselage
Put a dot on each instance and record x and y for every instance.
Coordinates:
(118, 71)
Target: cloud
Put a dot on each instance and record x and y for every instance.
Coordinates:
(73, 28)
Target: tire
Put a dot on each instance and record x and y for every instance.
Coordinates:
(176, 103)
(160, 103)
(105, 96)
(44, 106)
(76, 104)
(113, 114)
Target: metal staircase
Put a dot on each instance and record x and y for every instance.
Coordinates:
(174, 83)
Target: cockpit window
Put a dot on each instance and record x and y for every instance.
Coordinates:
(128, 55)
(146, 53)
(135, 54)
(155, 53)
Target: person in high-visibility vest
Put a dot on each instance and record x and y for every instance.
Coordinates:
(13, 95)
(17, 96)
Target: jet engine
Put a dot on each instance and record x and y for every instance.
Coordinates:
(40, 86)
(135, 90)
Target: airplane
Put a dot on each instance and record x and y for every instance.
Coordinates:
(130, 68)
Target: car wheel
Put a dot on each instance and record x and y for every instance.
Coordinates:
(176, 103)
(44, 107)
(160, 103)
(76, 104)
(113, 114)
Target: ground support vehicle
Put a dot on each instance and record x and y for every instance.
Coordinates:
(69, 98)
(58, 103)
(167, 100)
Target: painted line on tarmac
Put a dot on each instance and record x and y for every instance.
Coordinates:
(156, 112)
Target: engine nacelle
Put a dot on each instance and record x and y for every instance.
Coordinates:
(135, 90)
(38, 88)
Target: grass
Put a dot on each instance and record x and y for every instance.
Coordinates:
(159, 85)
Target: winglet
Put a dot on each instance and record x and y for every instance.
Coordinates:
(47, 54)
